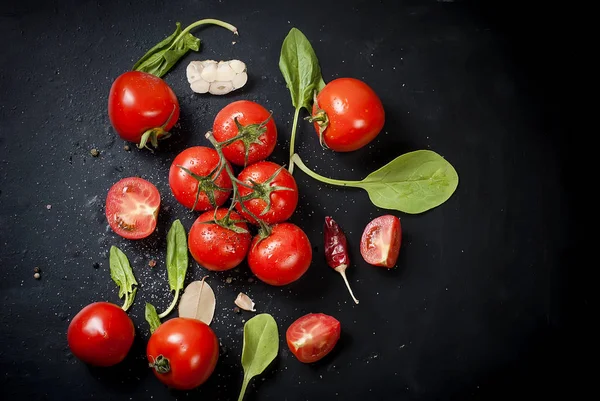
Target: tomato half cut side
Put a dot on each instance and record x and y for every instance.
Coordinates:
(313, 336)
(380, 242)
(132, 206)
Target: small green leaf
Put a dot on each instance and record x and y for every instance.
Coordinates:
(122, 275)
(261, 345)
(152, 317)
(177, 255)
(300, 68)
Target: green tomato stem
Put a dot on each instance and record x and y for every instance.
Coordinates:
(296, 159)
(203, 22)
(293, 140)
(173, 303)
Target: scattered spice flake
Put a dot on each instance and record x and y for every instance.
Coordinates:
(127, 148)
(48, 207)
(250, 279)
(37, 276)
(228, 280)
(95, 152)
(152, 263)
(244, 302)
(36, 269)
(237, 310)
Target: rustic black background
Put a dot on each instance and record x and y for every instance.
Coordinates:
(479, 304)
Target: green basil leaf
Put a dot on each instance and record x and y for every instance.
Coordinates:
(122, 275)
(177, 255)
(162, 57)
(300, 68)
(152, 317)
(261, 345)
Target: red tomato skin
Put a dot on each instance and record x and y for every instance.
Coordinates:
(138, 102)
(192, 349)
(217, 248)
(283, 202)
(117, 199)
(247, 112)
(282, 257)
(355, 112)
(201, 161)
(386, 230)
(328, 331)
(101, 334)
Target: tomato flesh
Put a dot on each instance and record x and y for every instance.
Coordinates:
(138, 102)
(191, 348)
(380, 242)
(132, 206)
(215, 247)
(101, 334)
(354, 111)
(313, 336)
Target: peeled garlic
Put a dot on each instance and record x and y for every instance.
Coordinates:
(217, 78)
(244, 302)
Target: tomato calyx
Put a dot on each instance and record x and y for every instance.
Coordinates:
(227, 222)
(154, 134)
(248, 134)
(161, 364)
(320, 117)
(263, 191)
(206, 184)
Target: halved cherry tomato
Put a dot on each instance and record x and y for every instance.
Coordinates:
(101, 334)
(132, 207)
(216, 247)
(348, 113)
(140, 103)
(200, 161)
(183, 352)
(282, 257)
(275, 193)
(313, 336)
(254, 123)
(380, 242)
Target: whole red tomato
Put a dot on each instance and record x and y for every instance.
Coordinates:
(254, 124)
(101, 334)
(275, 193)
(142, 108)
(183, 353)
(348, 114)
(380, 241)
(196, 191)
(313, 336)
(282, 257)
(213, 242)
(132, 205)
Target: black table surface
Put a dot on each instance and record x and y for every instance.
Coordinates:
(478, 304)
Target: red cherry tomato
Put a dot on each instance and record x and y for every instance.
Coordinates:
(201, 161)
(216, 247)
(276, 190)
(313, 336)
(355, 115)
(282, 257)
(139, 102)
(259, 131)
(132, 207)
(380, 242)
(101, 334)
(183, 353)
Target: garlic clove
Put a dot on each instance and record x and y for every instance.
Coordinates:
(207, 62)
(224, 72)
(209, 73)
(237, 66)
(244, 302)
(239, 80)
(220, 87)
(200, 86)
(193, 71)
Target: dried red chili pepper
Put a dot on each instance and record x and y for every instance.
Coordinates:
(336, 250)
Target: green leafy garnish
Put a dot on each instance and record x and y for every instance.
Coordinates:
(177, 261)
(163, 56)
(300, 68)
(412, 183)
(122, 275)
(151, 317)
(261, 345)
